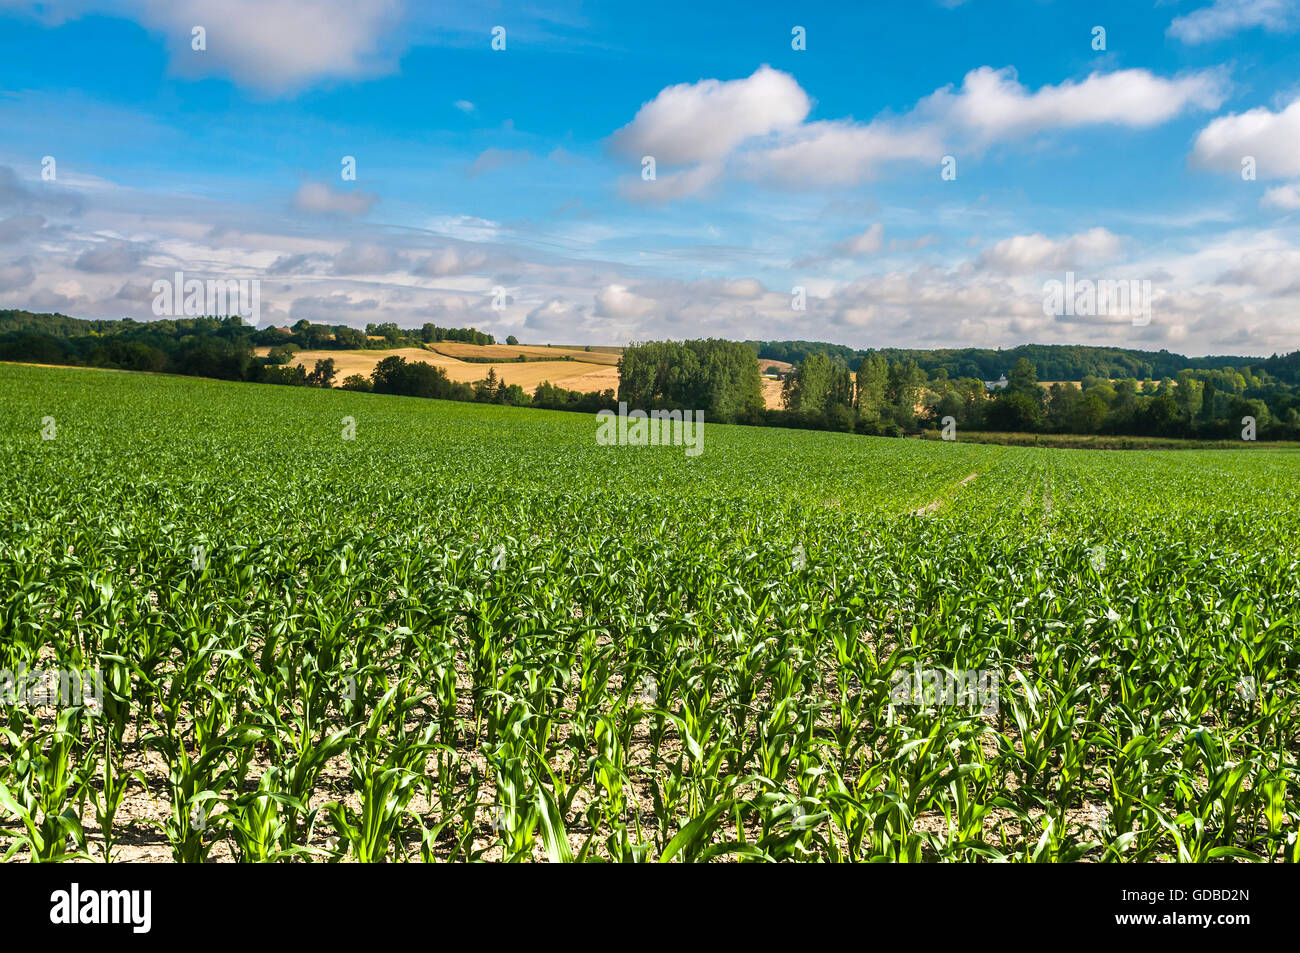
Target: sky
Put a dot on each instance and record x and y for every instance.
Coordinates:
(908, 174)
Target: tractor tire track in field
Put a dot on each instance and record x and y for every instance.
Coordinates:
(934, 504)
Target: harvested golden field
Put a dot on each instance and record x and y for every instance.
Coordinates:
(772, 393)
(573, 375)
(597, 371)
(506, 352)
(363, 362)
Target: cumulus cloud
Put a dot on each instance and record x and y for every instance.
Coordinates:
(1284, 197)
(923, 302)
(337, 308)
(48, 300)
(277, 46)
(1226, 17)
(698, 122)
(554, 315)
(986, 300)
(464, 105)
(993, 104)
(865, 243)
(109, 256)
(1274, 272)
(757, 125)
(137, 291)
(460, 309)
(616, 301)
(366, 259)
(1026, 254)
(320, 198)
(1272, 138)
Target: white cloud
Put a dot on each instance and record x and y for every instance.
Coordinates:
(464, 227)
(1285, 197)
(46, 299)
(741, 288)
(339, 308)
(616, 301)
(323, 199)
(1241, 290)
(1026, 254)
(137, 291)
(992, 104)
(698, 122)
(1225, 17)
(452, 261)
(278, 46)
(1273, 271)
(866, 243)
(1272, 138)
(843, 152)
(757, 125)
(554, 315)
(464, 105)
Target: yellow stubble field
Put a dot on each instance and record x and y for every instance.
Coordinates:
(573, 375)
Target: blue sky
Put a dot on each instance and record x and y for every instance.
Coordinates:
(775, 168)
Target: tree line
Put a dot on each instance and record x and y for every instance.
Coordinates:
(887, 396)
(718, 377)
(225, 348)
(1054, 362)
(175, 344)
(894, 397)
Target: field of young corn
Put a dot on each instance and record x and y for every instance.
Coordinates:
(472, 633)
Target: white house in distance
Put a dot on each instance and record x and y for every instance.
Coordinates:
(999, 384)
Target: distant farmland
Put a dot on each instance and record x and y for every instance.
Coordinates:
(599, 372)
(594, 370)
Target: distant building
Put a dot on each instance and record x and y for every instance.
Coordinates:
(999, 384)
